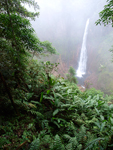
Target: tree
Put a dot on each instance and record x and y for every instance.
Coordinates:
(106, 15)
(17, 39)
(16, 29)
(71, 75)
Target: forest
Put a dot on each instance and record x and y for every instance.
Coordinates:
(43, 106)
(65, 24)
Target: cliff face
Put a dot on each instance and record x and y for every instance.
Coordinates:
(64, 27)
(100, 67)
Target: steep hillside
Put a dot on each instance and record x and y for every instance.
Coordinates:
(100, 66)
(65, 28)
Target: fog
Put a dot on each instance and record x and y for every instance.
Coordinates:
(63, 16)
(62, 23)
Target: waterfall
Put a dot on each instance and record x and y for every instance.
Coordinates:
(83, 55)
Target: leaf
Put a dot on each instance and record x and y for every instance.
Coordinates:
(97, 96)
(48, 91)
(31, 105)
(35, 144)
(66, 136)
(59, 95)
(111, 119)
(29, 86)
(55, 112)
(100, 103)
(60, 119)
(30, 125)
(69, 146)
(102, 126)
(97, 110)
(102, 117)
(110, 145)
(36, 102)
(91, 144)
(98, 124)
(56, 124)
(54, 94)
(65, 105)
(69, 91)
(48, 97)
(111, 107)
(65, 94)
(29, 95)
(39, 114)
(41, 98)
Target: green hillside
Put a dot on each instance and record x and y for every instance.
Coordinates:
(41, 111)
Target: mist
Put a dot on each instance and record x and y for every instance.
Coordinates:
(62, 23)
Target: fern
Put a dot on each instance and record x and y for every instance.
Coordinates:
(35, 145)
(79, 147)
(69, 146)
(55, 112)
(58, 145)
(66, 137)
(92, 143)
(36, 102)
(74, 142)
(38, 114)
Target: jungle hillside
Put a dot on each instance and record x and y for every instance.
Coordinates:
(42, 107)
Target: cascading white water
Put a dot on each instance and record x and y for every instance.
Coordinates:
(83, 55)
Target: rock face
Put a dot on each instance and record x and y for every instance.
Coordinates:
(64, 27)
(100, 67)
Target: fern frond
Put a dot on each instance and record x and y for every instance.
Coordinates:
(94, 142)
(58, 143)
(79, 147)
(35, 145)
(38, 114)
(74, 142)
(66, 137)
(32, 105)
(69, 146)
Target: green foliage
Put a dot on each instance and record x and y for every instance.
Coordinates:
(38, 110)
(71, 75)
(92, 92)
(15, 6)
(66, 118)
(105, 15)
(35, 144)
(18, 40)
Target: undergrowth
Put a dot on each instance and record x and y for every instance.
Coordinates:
(37, 110)
(54, 114)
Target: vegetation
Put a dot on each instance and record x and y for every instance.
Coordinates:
(106, 70)
(37, 110)
(106, 15)
(71, 75)
(17, 38)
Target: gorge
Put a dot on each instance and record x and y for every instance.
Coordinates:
(65, 30)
